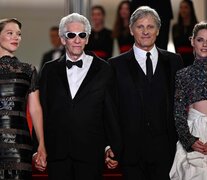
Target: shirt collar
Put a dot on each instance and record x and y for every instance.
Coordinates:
(81, 57)
(139, 53)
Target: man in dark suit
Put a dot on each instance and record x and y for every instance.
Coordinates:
(164, 9)
(57, 49)
(80, 119)
(145, 86)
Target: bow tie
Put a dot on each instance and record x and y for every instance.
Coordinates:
(69, 64)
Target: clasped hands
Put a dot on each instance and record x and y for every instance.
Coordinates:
(110, 162)
(39, 159)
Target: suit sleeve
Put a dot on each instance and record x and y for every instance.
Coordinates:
(112, 126)
(43, 92)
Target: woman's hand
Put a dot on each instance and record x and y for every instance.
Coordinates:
(205, 148)
(199, 146)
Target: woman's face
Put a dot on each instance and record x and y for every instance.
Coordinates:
(200, 44)
(185, 10)
(124, 11)
(10, 38)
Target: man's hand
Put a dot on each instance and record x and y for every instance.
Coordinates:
(109, 155)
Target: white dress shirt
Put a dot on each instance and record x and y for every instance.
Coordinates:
(140, 56)
(75, 75)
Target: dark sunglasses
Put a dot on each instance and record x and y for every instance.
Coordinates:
(71, 35)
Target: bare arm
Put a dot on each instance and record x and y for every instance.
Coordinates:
(37, 120)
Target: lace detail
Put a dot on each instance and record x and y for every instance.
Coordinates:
(12, 66)
(191, 87)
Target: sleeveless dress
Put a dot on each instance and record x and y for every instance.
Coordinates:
(17, 80)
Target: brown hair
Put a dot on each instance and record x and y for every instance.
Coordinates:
(119, 25)
(3, 22)
(193, 18)
(198, 27)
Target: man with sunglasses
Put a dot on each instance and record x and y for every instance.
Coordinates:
(80, 119)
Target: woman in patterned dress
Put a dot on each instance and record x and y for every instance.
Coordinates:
(18, 87)
(190, 161)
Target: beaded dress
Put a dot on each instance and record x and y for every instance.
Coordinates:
(17, 80)
(191, 87)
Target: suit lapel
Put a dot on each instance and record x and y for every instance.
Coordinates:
(164, 59)
(133, 69)
(63, 75)
(87, 81)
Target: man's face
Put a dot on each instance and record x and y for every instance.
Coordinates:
(75, 46)
(97, 17)
(145, 32)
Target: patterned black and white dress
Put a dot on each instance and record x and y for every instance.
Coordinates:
(191, 87)
(17, 80)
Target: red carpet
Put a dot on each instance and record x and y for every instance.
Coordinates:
(108, 175)
(37, 175)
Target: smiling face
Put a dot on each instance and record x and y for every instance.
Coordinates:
(145, 32)
(10, 38)
(200, 44)
(74, 46)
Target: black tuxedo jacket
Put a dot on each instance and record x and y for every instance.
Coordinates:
(130, 100)
(81, 127)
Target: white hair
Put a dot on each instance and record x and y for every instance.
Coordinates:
(74, 17)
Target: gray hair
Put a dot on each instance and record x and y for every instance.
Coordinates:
(74, 17)
(142, 12)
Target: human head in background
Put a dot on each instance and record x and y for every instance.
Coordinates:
(187, 13)
(98, 17)
(199, 40)
(74, 31)
(54, 37)
(10, 36)
(144, 25)
(122, 18)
